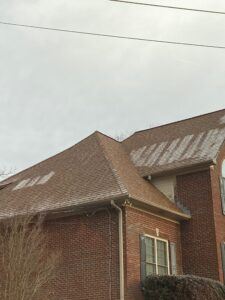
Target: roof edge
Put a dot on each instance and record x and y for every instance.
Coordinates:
(160, 209)
(192, 168)
(71, 209)
(218, 152)
(104, 203)
(120, 183)
(49, 158)
(120, 200)
(174, 122)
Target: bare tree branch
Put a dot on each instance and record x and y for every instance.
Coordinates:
(26, 264)
(6, 173)
(122, 136)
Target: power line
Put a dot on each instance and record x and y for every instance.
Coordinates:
(172, 7)
(113, 36)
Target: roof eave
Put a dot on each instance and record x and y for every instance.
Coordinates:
(87, 208)
(90, 208)
(95, 206)
(181, 170)
(84, 208)
(162, 211)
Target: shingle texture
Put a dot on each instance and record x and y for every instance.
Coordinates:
(177, 145)
(96, 169)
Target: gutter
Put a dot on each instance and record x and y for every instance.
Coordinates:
(157, 209)
(121, 262)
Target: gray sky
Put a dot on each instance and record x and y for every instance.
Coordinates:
(57, 88)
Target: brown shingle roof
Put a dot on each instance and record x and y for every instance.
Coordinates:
(95, 170)
(177, 145)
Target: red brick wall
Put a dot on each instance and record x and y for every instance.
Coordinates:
(136, 223)
(88, 267)
(198, 235)
(218, 215)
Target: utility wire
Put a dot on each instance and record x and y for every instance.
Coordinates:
(171, 7)
(113, 36)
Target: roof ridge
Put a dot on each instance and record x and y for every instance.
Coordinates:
(46, 159)
(104, 151)
(107, 136)
(116, 175)
(14, 176)
(174, 122)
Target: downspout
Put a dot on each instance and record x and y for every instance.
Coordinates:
(121, 262)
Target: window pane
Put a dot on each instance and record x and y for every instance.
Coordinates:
(162, 270)
(162, 253)
(223, 169)
(223, 184)
(150, 269)
(150, 250)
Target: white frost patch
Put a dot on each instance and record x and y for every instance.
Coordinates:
(215, 147)
(136, 154)
(204, 145)
(208, 141)
(21, 184)
(146, 155)
(193, 147)
(156, 154)
(180, 149)
(46, 178)
(169, 152)
(34, 181)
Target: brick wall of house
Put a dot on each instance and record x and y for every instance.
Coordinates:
(89, 263)
(136, 223)
(218, 214)
(89, 267)
(199, 249)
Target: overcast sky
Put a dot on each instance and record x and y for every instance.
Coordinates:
(57, 88)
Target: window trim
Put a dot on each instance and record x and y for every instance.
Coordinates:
(223, 258)
(156, 256)
(223, 169)
(222, 186)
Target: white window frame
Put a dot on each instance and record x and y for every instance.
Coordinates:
(156, 252)
(223, 169)
(222, 186)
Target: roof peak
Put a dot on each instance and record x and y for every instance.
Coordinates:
(107, 136)
(45, 159)
(95, 169)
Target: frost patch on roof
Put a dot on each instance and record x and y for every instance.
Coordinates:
(181, 148)
(46, 178)
(33, 181)
(156, 153)
(222, 120)
(204, 145)
(21, 184)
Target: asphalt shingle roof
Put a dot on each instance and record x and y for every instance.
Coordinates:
(94, 170)
(177, 145)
